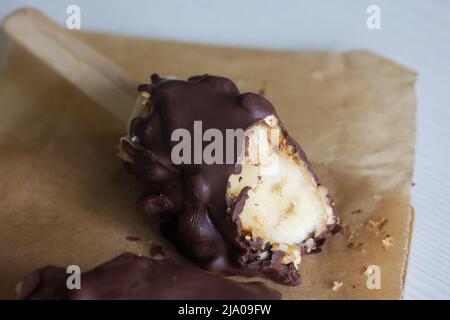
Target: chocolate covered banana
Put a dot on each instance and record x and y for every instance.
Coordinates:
(129, 276)
(236, 192)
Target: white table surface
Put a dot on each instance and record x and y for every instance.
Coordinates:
(415, 33)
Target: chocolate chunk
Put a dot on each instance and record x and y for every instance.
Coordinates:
(249, 211)
(129, 276)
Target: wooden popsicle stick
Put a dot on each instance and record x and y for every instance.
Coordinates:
(94, 74)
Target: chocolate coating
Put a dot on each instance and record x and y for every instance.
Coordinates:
(199, 219)
(129, 276)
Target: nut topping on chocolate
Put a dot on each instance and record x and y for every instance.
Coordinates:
(254, 215)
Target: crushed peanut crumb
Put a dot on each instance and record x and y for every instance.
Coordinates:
(344, 229)
(377, 225)
(337, 285)
(351, 234)
(387, 242)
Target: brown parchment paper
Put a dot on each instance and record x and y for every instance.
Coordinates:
(65, 199)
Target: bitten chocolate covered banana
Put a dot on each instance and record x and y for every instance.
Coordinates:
(237, 192)
(133, 277)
